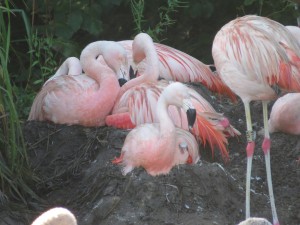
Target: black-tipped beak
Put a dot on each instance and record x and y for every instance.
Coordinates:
(122, 81)
(132, 74)
(191, 116)
(212, 68)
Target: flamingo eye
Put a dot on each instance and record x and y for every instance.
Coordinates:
(183, 147)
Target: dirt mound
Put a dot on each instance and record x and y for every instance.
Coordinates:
(75, 171)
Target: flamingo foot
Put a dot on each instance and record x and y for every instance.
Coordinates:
(189, 160)
(117, 160)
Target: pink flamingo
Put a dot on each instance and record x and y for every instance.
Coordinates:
(176, 65)
(56, 216)
(71, 66)
(158, 147)
(84, 99)
(285, 114)
(255, 56)
(137, 102)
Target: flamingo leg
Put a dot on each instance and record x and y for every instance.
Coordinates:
(250, 151)
(266, 148)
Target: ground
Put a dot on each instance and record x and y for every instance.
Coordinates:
(75, 171)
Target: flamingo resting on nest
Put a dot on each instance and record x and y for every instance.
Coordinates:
(158, 147)
(84, 99)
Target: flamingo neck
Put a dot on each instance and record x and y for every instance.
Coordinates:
(152, 63)
(167, 126)
(88, 58)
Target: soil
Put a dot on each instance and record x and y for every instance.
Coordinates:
(74, 166)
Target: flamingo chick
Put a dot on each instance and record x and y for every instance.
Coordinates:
(56, 216)
(285, 114)
(256, 57)
(84, 99)
(157, 147)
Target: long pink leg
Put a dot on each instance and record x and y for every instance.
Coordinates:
(266, 148)
(250, 151)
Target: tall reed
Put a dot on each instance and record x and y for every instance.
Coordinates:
(14, 170)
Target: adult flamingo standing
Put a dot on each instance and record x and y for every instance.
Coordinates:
(255, 56)
(84, 99)
(175, 65)
(138, 99)
(158, 147)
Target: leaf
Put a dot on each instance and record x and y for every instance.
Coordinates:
(249, 2)
(63, 30)
(75, 20)
(92, 26)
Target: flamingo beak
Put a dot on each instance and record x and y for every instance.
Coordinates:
(132, 74)
(122, 81)
(191, 116)
(190, 112)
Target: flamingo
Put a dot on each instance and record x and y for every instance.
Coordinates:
(137, 102)
(255, 221)
(70, 66)
(256, 57)
(157, 147)
(285, 114)
(56, 216)
(84, 99)
(176, 65)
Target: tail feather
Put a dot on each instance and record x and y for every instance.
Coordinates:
(206, 132)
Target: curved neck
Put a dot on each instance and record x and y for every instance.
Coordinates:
(89, 62)
(166, 124)
(148, 53)
(151, 72)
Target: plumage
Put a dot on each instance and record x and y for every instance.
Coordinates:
(257, 58)
(71, 66)
(137, 102)
(285, 114)
(84, 99)
(56, 216)
(175, 65)
(157, 147)
(255, 221)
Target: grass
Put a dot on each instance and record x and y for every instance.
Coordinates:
(14, 169)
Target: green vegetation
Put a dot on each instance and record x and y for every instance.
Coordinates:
(37, 35)
(14, 170)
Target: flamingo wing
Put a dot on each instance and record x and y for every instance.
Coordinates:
(178, 66)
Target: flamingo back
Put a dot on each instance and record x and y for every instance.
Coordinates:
(247, 46)
(178, 66)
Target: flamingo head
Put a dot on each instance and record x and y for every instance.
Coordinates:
(178, 94)
(116, 58)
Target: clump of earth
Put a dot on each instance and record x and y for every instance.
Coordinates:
(74, 166)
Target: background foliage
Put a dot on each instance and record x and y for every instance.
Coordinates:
(40, 34)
